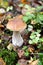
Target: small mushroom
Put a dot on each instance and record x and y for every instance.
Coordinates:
(2, 11)
(2, 14)
(17, 25)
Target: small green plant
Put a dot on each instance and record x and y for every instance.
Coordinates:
(9, 8)
(34, 38)
(26, 52)
(4, 3)
(34, 14)
(28, 17)
(30, 28)
(17, 64)
(40, 59)
(39, 63)
(24, 48)
(10, 57)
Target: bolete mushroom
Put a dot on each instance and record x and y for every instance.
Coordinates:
(17, 25)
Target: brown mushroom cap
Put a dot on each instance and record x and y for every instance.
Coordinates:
(16, 24)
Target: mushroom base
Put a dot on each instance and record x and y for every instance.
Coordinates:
(17, 40)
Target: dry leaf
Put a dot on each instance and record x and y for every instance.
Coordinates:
(2, 62)
(22, 62)
(34, 62)
(2, 18)
(31, 49)
(1, 26)
(10, 46)
(25, 1)
(20, 53)
(31, 60)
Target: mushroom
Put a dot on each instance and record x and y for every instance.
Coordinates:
(2, 11)
(2, 14)
(17, 25)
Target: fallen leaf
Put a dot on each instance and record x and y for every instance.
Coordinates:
(25, 2)
(22, 62)
(2, 18)
(31, 49)
(10, 46)
(2, 62)
(1, 26)
(34, 62)
(20, 53)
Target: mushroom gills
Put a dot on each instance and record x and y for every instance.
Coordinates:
(17, 39)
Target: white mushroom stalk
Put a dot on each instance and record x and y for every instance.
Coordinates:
(17, 39)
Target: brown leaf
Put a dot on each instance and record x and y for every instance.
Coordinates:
(2, 62)
(25, 1)
(2, 18)
(24, 10)
(1, 26)
(5, 37)
(34, 62)
(31, 49)
(20, 53)
(22, 62)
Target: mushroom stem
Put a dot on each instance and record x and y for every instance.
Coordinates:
(17, 39)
